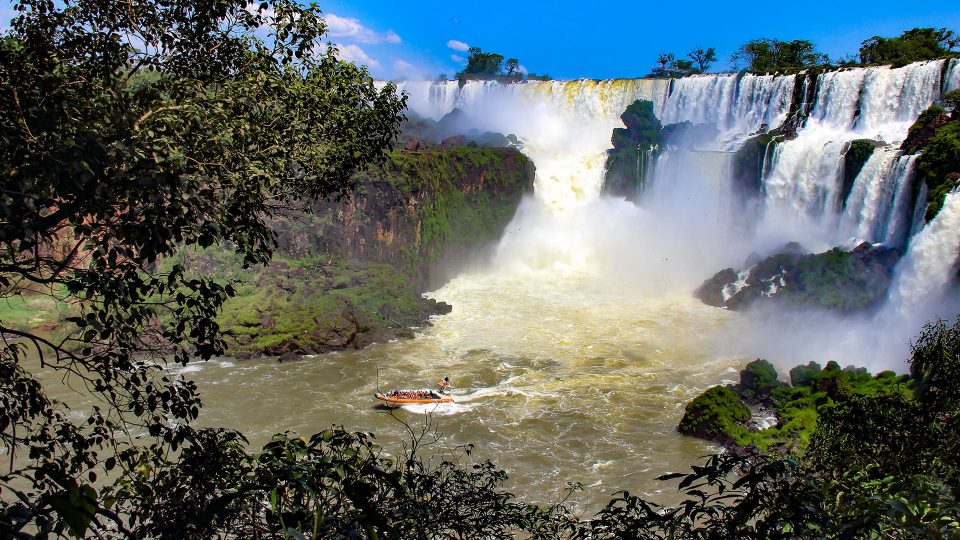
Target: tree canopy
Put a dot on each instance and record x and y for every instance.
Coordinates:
(911, 46)
(699, 61)
(484, 65)
(703, 58)
(129, 130)
(765, 54)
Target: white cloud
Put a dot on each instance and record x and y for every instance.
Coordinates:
(458, 45)
(353, 53)
(456, 58)
(351, 29)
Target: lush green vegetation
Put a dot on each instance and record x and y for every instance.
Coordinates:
(699, 61)
(633, 147)
(317, 301)
(483, 65)
(30, 310)
(937, 135)
(716, 415)
(720, 414)
(453, 217)
(766, 55)
(911, 46)
(111, 175)
(129, 131)
(939, 165)
(312, 305)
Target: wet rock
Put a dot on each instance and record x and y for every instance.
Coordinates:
(839, 280)
(430, 307)
(793, 248)
(711, 291)
(757, 380)
(288, 356)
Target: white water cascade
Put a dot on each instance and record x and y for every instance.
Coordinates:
(565, 126)
(879, 207)
(736, 105)
(684, 228)
(878, 103)
(929, 268)
(952, 80)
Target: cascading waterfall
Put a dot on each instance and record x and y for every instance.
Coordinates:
(737, 105)
(879, 207)
(574, 352)
(952, 80)
(565, 126)
(689, 207)
(930, 266)
(878, 103)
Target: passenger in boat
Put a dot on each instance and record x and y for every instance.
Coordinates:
(444, 385)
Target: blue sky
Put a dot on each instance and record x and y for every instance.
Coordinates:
(569, 40)
(621, 38)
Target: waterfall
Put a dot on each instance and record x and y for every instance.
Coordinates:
(879, 103)
(565, 126)
(928, 269)
(736, 105)
(690, 220)
(879, 206)
(952, 80)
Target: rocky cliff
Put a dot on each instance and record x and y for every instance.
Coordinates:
(350, 272)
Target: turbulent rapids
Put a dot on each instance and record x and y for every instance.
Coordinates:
(573, 351)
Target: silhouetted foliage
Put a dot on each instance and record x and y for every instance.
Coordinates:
(127, 131)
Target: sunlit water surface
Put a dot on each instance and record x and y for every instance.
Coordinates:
(571, 380)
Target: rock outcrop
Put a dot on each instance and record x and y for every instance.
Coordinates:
(844, 281)
(349, 272)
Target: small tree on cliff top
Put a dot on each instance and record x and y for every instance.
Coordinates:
(127, 131)
(703, 58)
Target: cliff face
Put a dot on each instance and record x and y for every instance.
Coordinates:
(428, 212)
(350, 272)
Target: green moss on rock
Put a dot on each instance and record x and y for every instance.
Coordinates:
(758, 379)
(720, 415)
(939, 166)
(716, 415)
